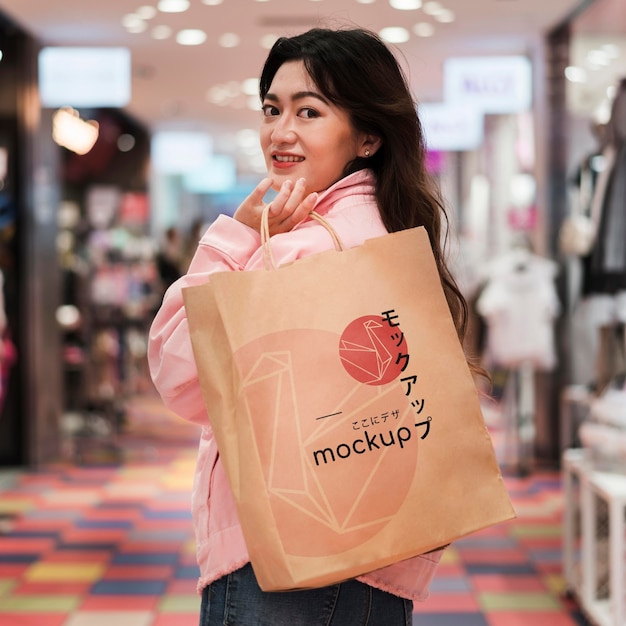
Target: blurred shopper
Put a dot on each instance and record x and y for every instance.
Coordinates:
(169, 258)
(191, 243)
(340, 135)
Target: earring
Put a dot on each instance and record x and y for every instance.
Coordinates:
(367, 153)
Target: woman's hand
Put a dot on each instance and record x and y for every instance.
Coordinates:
(287, 210)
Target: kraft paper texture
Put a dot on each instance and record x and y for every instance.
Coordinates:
(344, 411)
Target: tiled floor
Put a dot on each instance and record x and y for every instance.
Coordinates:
(112, 545)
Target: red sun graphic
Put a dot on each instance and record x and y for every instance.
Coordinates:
(370, 350)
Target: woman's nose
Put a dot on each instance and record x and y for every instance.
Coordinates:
(283, 131)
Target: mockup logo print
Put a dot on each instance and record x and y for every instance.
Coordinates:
(303, 410)
(371, 349)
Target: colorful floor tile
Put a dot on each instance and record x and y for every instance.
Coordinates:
(95, 544)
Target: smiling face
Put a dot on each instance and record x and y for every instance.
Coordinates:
(303, 135)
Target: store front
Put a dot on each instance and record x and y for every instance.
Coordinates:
(490, 146)
(9, 247)
(593, 233)
(109, 284)
(520, 192)
(28, 199)
(76, 257)
(588, 169)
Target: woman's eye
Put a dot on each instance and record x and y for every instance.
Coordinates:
(269, 110)
(308, 113)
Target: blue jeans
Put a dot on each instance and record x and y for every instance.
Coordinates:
(237, 600)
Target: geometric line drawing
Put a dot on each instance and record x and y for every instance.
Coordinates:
(295, 481)
(371, 358)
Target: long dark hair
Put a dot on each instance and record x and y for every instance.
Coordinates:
(357, 72)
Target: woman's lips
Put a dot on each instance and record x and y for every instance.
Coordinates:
(282, 161)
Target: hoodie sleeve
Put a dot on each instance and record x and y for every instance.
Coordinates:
(227, 245)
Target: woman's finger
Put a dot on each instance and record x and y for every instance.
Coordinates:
(278, 203)
(288, 200)
(295, 198)
(299, 214)
(249, 211)
(256, 197)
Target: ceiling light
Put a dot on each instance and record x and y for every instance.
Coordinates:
(191, 37)
(233, 88)
(424, 29)
(130, 20)
(611, 50)
(366, 1)
(1, 55)
(229, 40)
(575, 74)
(406, 5)
(394, 34)
(218, 95)
(72, 132)
(432, 7)
(212, 3)
(146, 12)
(125, 142)
(161, 32)
(68, 316)
(250, 87)
(139, 27)
(267, 41)
(597, 57)
(254, 103)
(133, 23)
(173, 6)
(445, 16)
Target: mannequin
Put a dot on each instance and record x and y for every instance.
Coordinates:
(519, 304)
(604, 268)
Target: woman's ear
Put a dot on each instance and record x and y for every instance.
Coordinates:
(369, 145)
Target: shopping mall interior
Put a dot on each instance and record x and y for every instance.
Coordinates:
(127, 131)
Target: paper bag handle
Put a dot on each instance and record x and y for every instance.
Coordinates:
(268, 256)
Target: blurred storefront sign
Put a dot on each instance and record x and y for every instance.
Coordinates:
(499, 84)
(450, 127)
(84, 77)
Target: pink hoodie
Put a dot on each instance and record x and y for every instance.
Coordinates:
(350, 207)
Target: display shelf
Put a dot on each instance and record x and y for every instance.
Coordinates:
(599, 612)
(585, 492)
(575, 403)
(572, 522)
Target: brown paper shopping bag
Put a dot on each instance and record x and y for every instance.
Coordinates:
(344, 411)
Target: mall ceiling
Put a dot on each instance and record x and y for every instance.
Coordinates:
(172, 84)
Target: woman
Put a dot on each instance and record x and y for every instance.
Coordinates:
(340, 135)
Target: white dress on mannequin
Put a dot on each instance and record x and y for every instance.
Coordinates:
(519, 304)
